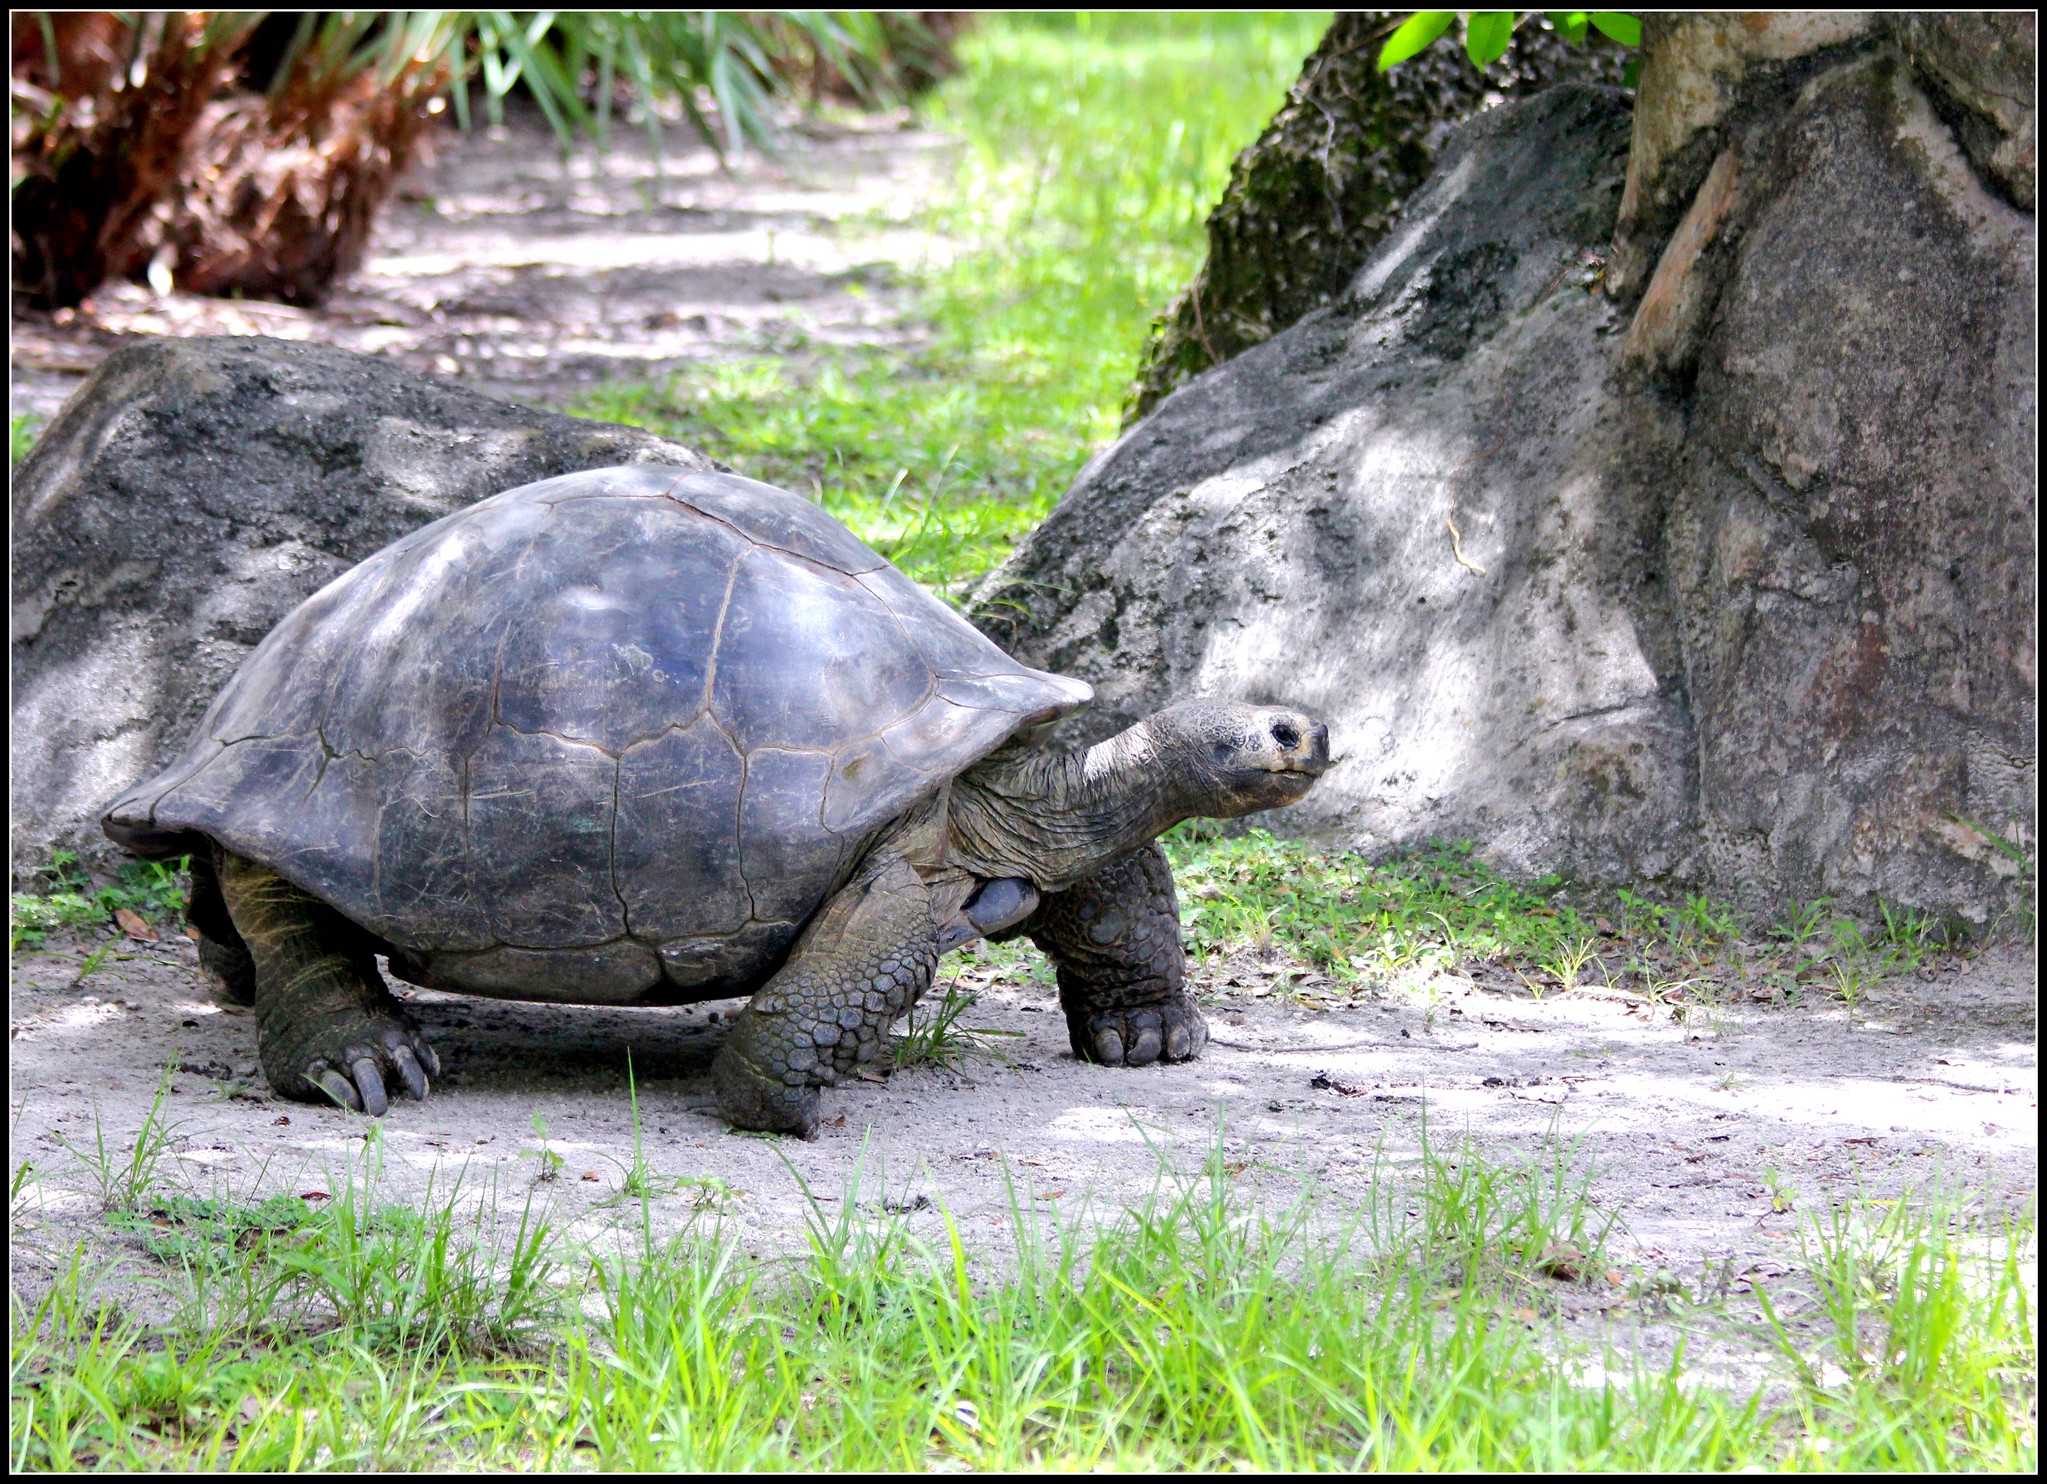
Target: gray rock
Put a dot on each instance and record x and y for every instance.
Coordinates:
(190, 494)
(1740, 587)
(1849, 523)
(1979, 67)
(1283, 527)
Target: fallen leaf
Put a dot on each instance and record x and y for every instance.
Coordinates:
(1562, 1260)
(133, 925)
(314, 1195)
(1326, 1083)
(591, 1175)
(279, 1121)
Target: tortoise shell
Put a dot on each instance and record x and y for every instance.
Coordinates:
(608, 737)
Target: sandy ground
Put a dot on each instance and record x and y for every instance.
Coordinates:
(536, 279)
(1933, 1080)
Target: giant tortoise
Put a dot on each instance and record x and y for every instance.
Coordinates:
(646, 736)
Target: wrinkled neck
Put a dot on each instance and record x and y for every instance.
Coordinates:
(1058, 819)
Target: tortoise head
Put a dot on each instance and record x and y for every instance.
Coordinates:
(1236, 758)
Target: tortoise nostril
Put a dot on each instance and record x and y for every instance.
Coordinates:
(1285, 735)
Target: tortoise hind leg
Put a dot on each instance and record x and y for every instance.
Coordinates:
(866, 959)
(222, 953)
(326, 1024)
(1115, 941)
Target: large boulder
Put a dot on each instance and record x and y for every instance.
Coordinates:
(1415, 514)
(1725, 580)
(188, 496)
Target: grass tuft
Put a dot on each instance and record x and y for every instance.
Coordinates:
(936, 1036)
(1440, 909)
(67, 899)
(1193, 1331)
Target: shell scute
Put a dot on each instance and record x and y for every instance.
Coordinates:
(539, 815)
(617, 643)
(422, 847)
(809, 658)
(786, 854)
(775, 518)
(675, 855)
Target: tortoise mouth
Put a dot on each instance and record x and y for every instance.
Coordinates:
(1305, 751)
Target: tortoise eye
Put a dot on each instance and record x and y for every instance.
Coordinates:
(1286, 736)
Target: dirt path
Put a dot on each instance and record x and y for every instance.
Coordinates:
(497, 263)
(1708, 1137)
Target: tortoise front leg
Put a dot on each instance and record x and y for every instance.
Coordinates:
(866, 959)
(1115, 941)
(327, 1026)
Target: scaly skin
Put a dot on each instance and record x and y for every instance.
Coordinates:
(866, 959)
(222, 953)
(1115, 941)
(326, 1024)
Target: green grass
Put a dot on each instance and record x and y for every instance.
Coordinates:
(1094, 150)
(1426, 1330)
(1369, 922)
(23, 428)
(1355, 920)
(121, 1180)
(935, 1033)
(68, 899)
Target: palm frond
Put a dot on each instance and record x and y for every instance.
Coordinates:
(140, 132)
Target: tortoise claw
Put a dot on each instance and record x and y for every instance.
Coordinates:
(362, 1066)
(1140, 1035)
(336, 1086)
(409, 1068)
(370, 1083)
(750, 1097)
